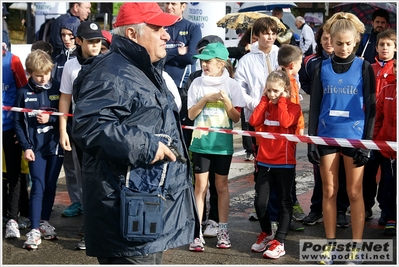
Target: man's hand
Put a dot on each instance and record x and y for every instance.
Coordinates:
(182, 50)
(162, 153)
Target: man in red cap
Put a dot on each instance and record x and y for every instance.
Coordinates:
(127, 124)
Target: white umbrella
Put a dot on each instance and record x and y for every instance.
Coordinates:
(21, 6)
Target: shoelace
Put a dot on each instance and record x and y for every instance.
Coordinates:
(261, 237)
(274, 244)
(223, 235)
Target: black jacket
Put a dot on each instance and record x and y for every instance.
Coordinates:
(121, 103)
(43, 139)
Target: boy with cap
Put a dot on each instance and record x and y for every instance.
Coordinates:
(213, 100)
(88, 39)
(122, 104)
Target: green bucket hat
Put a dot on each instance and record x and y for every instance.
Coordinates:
(213, 50)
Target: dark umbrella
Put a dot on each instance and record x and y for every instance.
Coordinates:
(364, 11)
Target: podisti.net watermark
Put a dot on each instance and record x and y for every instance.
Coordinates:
(371, 250)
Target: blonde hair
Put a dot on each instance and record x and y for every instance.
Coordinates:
(227, 64)
(342, 22)
(40, 61)
(281, 77)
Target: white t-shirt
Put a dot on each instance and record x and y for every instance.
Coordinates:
(71, 71)
(213, 114)
(172, 88)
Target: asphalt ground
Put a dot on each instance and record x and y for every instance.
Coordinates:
(243, 233)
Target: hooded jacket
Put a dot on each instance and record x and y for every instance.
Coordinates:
(251, 74)
(119, 109)
(71, 24)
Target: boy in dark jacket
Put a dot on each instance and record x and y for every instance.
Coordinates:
(68, 34)
(38, 135)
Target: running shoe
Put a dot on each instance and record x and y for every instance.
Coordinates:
(342, 220)
(390, 228)
(355, 257)
(47, 230)
(196, 245)
(33, 239)
(223, 239)
(73, 210)
(275, 250)
(297, 212)
(327, 255)
(261, 243)
(12, 229)
(313, 218)
(211, 229)
(23, 222)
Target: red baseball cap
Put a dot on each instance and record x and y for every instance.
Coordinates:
(139, 12)
(107, 35)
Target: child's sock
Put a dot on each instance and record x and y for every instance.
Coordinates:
(223, 226)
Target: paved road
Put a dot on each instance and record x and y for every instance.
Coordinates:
(242, 231)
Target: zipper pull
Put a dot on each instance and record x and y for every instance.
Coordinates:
(162, 197)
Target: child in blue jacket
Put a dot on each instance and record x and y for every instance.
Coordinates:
(38, 135)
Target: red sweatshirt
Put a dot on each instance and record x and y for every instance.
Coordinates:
(295, 99)
(280, 118)
(385, 120)
(381, 73)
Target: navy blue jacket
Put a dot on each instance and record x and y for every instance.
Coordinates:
(371, 52)
(43, 139)
(119, 109)
(187, 33)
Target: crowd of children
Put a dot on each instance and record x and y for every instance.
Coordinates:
(350, 98)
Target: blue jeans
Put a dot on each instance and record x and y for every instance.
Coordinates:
(44, 175)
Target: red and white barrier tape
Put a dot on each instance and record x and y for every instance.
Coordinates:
(341, 142)
(36, 111)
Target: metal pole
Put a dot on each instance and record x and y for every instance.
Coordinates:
(30, 33)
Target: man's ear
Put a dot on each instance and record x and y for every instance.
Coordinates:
(183, 6)
(131, 33)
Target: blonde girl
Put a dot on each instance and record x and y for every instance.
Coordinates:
(213, 100)
(342, 105)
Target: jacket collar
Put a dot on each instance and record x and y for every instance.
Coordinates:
(135, 53)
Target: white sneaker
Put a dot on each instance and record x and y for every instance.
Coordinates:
(12, 230)
(262, 242)
(275, 250)
(33, 239)
(47, 230)
(211, 229)
(196, 245)
(223, 239)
